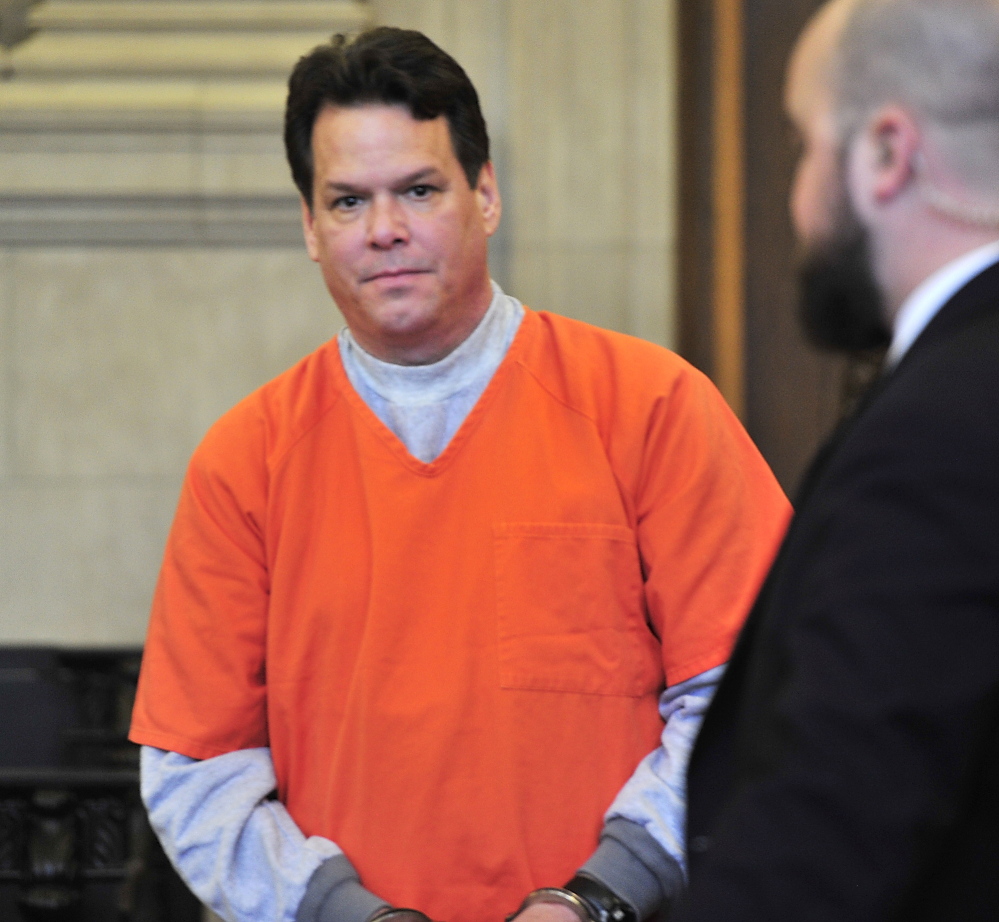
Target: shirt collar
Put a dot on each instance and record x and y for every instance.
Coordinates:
(932, 294)
(479, 355)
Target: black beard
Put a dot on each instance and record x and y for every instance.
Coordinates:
(841, 306)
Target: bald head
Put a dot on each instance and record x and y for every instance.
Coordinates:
(812, 71)
(897, 106)
(938, 58)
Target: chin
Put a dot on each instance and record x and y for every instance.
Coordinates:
(841, 305)
(405, 317)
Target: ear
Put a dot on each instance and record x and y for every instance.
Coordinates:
(488, 196)
(886, 154)
(309, 229)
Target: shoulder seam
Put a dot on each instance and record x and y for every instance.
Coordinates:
(280, 460)
(537, 380)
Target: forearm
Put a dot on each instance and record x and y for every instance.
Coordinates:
(641, 856)
(238, 849)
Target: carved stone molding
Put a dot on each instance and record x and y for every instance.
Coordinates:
(212, 15)
(157, 105)
(131, 221)
(14, 27)
(131, 38)
(93, 84)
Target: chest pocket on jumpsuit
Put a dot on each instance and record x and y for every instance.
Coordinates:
(571, 610)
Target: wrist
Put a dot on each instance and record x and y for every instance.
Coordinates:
(334, 894)
(397, 914)
(588, 899)
(554, 896)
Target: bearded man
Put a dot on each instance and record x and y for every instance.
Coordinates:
(848, 767)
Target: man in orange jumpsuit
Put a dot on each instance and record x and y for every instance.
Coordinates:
(443, 603)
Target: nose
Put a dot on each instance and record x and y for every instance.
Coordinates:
(387, 224)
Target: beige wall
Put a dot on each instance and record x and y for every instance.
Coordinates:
(118, 347)
(115, 361)
(580, 103)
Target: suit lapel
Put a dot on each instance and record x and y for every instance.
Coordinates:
(807, 487)
(979, 294)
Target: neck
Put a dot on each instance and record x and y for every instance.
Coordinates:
(919, 248)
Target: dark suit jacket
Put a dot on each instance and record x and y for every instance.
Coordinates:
(848, 768)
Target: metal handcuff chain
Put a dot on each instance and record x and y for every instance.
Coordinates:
(399, 914)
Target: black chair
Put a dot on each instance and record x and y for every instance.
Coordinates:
(75, 844)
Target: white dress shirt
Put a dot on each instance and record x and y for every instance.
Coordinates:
(933, 293)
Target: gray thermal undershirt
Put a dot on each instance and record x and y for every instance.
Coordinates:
(424, 405)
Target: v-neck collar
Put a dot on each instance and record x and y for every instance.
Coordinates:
(464, 432)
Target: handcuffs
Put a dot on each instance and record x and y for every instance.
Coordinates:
(398, 914)
(590, 900)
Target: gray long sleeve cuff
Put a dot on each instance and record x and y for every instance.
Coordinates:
(335, 894)
(636, 867)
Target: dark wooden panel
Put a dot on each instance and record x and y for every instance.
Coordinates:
(696, 269)
(792, 393)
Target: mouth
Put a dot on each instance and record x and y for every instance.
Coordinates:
(391, 274)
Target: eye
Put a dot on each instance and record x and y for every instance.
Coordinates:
(421, 191)
(346, 203)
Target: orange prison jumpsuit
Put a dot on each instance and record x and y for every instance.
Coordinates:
(456, 665)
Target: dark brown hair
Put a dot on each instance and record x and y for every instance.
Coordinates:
(383, 66)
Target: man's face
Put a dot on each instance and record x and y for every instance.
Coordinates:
(399, 235)
(842, 307)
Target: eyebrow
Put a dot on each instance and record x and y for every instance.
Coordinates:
(410, 179)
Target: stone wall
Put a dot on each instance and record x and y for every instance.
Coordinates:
(152, 272)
